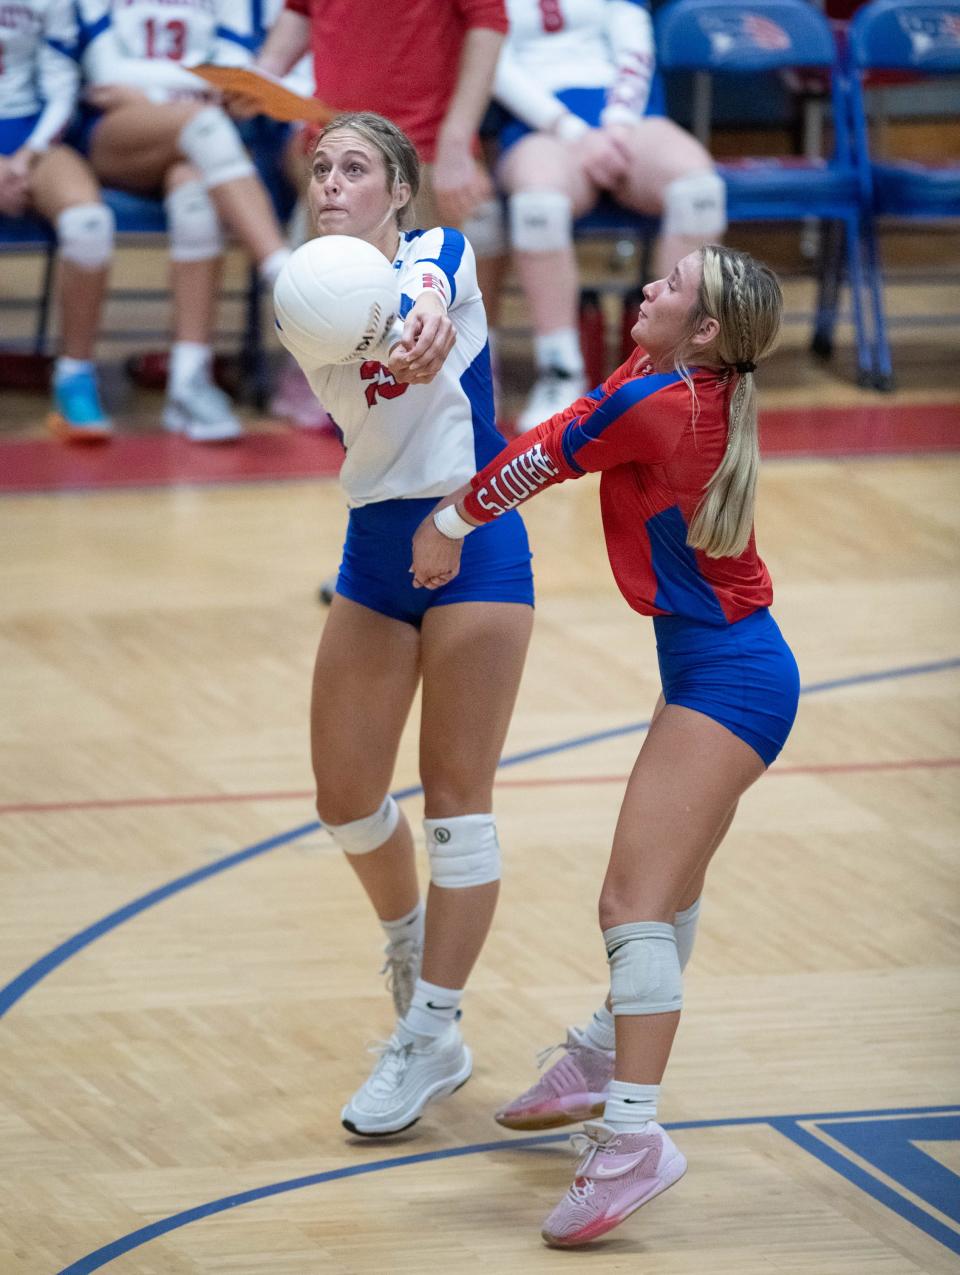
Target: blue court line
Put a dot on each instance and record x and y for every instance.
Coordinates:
(28, 978)
(783, 1124)
(791, 1128)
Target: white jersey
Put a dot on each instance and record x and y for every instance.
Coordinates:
(563, 44)
(148, 43)
(406, 441)
(38, 70)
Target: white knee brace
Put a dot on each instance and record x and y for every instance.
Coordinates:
(85, 235)
(540, 220)
(211, 142)
(193, 224)
(363, 835)
(696, 205)
(463, 851)
(486, 229)
(644, 968)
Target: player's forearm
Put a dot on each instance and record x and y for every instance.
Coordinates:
(286, 44)
(478, 62)
(530, 464)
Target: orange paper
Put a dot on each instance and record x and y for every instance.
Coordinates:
(271, 96)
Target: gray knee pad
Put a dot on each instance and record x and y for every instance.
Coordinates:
(211, 142)
(695, 206)
(463, 851)
(540, 220)
(645, 973)
(370, 833)
(487, 230)
(193, 224)
(85, 235)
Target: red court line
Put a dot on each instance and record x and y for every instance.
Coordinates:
(163, 460)
(271, 451)
(212, 799)
(883, 429)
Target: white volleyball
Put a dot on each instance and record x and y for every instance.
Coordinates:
(335, 300)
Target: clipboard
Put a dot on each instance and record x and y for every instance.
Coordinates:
(272, 96)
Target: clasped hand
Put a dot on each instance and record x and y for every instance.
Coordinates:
(428, 337)
(436, 558)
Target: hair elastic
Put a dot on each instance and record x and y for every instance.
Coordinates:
(744, 367)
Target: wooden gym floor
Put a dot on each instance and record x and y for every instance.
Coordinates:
(188, 975)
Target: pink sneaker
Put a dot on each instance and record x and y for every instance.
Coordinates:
(573, 1089)
(618, 1173)
(295, 400)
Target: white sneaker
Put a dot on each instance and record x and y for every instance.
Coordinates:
(407, 1076)
(402, 968)
(553, 390)
(200, 410)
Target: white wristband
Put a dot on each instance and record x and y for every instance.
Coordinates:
(449, 523)
(569, 127)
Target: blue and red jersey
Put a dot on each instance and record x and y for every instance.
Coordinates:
(655, 454)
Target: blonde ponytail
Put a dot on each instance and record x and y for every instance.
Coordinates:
(745, 299)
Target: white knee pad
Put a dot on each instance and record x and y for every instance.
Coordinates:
(363, 835)
(540, 220)
(696, 206)
(193, 224)
(463, 851)
(85, 235)
(644, 968)
(486, 228)
(211, 142)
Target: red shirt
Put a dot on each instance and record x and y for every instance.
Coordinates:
(400, 60)
(638, 430)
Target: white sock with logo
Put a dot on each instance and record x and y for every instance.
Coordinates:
(600, 1032)
(432, 1009)
(406, 927)
(630, 1108)
(559, 349)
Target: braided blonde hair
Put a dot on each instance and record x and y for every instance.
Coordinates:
(744, 297)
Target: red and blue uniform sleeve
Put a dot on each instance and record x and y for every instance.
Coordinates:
(621, 422)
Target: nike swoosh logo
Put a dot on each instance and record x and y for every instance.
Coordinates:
(430, 1005)
(623, 1165)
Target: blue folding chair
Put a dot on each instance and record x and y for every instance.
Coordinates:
(773, 37)
(142, 215)
(921, 37)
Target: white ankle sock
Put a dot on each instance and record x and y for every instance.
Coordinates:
(432, 1009)
(272, 264)
(406, 927)
(600, 1031)
(66, 366)
(630, 1108)
(559, 349)
(685, 925)
(187, 360)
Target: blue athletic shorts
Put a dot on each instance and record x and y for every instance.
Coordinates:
(744, 676)
(375, 571)
(15, 131)
(80, 133)
(585, 102)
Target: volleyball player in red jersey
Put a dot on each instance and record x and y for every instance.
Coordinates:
(674, 432)
(427, 65)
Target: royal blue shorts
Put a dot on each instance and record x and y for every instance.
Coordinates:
(15, 131)
(743, 675)
(375, 571)
(585, 102)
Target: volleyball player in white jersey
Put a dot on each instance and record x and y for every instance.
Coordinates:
(578, 76)
(416, 419)
(39, 81)
(156, 129)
